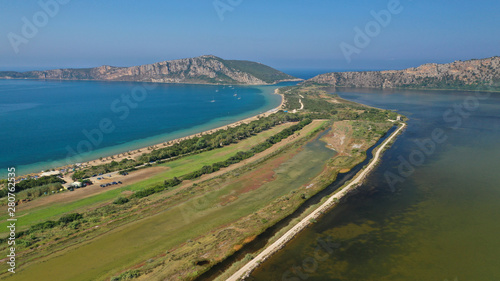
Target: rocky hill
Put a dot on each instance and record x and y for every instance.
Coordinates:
(466, 75)
(200, 70)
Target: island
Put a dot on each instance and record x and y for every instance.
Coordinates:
(206, 69)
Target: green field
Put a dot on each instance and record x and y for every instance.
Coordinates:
(123, 246)
(178, 232)
(177, 167)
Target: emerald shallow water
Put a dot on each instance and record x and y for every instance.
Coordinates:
(441, 222)
(47, 124)
(142, 239)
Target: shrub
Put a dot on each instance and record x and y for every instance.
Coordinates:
(70, 218)
(120, 201)
(172, 182)
(127, 275)
(43, 225)
(74, 225)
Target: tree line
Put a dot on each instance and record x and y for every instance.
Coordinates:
(32, 183)
(238, 157)
(206, 142)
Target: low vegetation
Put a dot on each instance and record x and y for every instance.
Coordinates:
(242, 155)
(206, 142)
(43, 184)
(204, 221)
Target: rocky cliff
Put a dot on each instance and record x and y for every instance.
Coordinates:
(467, 75)
(201, 70)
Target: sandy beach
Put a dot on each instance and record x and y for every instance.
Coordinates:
(132, 154)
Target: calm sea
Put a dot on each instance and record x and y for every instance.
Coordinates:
(46, 124)
(430, 211)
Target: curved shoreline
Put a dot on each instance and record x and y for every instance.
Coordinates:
(247, 269)
(181, 83)
(140, 151)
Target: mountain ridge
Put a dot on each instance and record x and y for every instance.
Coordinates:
(207, 69)
(474, 74)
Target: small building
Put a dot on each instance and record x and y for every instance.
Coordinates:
(50, 173)
(76, 184)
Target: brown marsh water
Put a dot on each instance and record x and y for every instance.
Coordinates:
(429, 211)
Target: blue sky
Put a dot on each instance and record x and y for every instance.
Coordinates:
(292, 34)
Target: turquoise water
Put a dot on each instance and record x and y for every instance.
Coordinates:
(47, 124)
(439, 221)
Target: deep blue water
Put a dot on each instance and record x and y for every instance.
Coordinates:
(46, 124)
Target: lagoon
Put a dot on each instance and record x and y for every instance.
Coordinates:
(438, 222)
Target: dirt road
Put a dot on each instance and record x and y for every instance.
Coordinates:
(251, 265)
